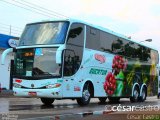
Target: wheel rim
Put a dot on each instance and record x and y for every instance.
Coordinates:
(136, 94)
(143, 94)
(86, 95)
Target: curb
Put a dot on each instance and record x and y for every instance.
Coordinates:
(6, 93)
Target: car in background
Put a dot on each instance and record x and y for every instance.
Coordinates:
(158, 96)
(0, 88)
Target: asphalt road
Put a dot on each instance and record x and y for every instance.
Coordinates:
(13, 108)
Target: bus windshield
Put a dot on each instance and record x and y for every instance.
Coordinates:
(36, 63)
(45, 33)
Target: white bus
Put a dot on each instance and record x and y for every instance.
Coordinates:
(71, 59)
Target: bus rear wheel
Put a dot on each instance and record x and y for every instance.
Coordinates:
(143, 96)
(47, 101)
(86, 95)
(135, 96)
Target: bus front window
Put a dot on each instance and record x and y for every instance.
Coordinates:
(44, 33)
(37, 63)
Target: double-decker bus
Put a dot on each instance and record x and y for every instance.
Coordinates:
(71, 59)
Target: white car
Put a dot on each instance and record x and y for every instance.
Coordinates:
(158, 96)
(0, 88)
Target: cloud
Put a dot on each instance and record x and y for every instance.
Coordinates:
(136, 18)
(123, 10)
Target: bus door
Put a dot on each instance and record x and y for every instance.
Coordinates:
(73, 56)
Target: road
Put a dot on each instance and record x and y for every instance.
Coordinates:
(14, 108)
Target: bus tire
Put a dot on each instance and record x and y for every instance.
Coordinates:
(135, 96)
(158, 96)
(86, 95)
(114, 99)
(47, 101)
(143, 96)
(102, 99)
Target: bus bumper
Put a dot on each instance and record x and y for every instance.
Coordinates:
(38, 93)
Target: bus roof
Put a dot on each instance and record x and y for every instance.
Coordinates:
(97, 27)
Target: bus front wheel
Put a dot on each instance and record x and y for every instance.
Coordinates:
(86, 95)
(47, 101)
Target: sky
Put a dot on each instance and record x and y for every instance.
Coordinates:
(139, 19)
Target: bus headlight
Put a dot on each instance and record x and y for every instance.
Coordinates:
(53, 85)
(16, 85)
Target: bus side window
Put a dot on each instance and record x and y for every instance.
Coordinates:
(146, 54)
(106, 41)
(138, 52)
(118, 46)
(92, 38)
(129, 49)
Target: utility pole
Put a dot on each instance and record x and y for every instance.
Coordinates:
(10, 29)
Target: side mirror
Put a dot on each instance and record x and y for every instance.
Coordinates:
(4, 54)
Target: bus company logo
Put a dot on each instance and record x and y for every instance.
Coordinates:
(100, 58)
(77, 88)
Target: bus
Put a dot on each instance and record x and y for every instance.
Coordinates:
(72, 59)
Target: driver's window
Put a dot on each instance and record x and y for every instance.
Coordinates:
(71, 63)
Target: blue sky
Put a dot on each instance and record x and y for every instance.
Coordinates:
(139, 19)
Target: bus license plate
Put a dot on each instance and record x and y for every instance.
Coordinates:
(32, 93)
